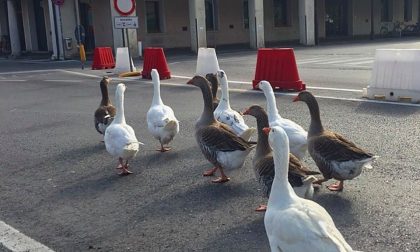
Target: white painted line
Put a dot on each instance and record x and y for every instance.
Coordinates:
(13, 80)
(303, 61)
(361, 62)
(64, 80)
(81, 74)
(31, 71)
(344, 60)
(15, 241)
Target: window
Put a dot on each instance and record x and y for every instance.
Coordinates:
(386, 11)
(408, 10)
(211, 15)
(246, 14)
(281, 17)
(153, 17)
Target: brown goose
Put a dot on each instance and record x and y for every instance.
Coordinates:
(335, 156)
(106, 111)
(217, 142)
(298, 175)
(212, 78)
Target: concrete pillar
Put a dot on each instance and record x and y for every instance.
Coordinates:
(197, 24)
(307, 22)
(29, 26)
(59, 31)
(256, 23)
(13, 29)
(54, 56)
(118, 33)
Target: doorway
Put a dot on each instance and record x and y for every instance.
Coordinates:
(86, 20)
(40, 26)
(336, 18)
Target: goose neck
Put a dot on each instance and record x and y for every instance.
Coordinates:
(207, 115)
(316, 126)
(157, 100)
(105, 96)
(119, 117)
(263, 147)
(271, 105)
(224, 100)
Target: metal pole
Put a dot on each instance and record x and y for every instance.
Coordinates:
(128, 47)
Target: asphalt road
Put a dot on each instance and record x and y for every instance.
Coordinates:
(58, 184)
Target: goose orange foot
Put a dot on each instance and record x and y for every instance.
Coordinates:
(336, 187)
(210, 172)
(261, 208)
(125, 172)
(164, 149)
(220, 180)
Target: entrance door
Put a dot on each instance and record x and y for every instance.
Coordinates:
(40, 26)
(336, 18)
(86, 21)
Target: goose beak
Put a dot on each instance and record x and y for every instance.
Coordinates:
(266, 130)
(245, 112)
(296, 99)
(190, 81)
(257, 86)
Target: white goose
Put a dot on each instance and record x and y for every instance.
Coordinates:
(225, 114)
(161, 120)
(297, 135)
(120, 139)
(292, 223)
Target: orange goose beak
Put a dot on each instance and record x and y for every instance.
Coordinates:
(190, 81)
(266, 130)
(296, 99)
(245, 112)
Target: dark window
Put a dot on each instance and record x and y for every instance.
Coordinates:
(281, 17)
(153, 17)
(211, 15)
(408, 10)
(246, 14)
(386, 11)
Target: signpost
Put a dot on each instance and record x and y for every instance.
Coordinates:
(125, 8)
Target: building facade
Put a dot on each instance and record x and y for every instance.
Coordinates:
(56, 26)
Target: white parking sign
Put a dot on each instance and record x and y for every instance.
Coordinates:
(126, 22)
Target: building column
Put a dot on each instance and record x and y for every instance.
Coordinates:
(307, 22)
(54, 56)
(197, 24)
(256, 24)
(29, 26)
(13, 29)
(118, 36)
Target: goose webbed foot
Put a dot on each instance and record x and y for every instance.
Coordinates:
(220, 180)
(210, 172)
(164, 149)
(336, 187)
(319, 181)
(261, 208)
(124, 168)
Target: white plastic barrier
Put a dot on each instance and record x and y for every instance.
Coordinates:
(121, 62)
(395, 75)
(206, 61)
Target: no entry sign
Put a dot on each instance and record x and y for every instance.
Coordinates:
(125, 7)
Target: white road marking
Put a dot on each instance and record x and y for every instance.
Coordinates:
(15, 241)
(360, 62)
(343, 60)
(80, 74)
(13, 80)
(75, 81)
(31, 71)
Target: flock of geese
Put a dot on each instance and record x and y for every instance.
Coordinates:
(293, 222)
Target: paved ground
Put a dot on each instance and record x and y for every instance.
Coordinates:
(59, 185)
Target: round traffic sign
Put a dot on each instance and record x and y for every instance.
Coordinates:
(125, 7)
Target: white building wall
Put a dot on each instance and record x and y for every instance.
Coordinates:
(277, 34)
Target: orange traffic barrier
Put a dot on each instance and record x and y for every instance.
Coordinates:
(103, 58)
(278, 66)
(154, 58)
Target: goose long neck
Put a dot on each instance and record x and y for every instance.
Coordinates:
(120, 117)
(316, 126)
(263, 147)
(157, 100)
(207, 115)
(105, 96)
(224, 100)
(281, 190)
(271, 105)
